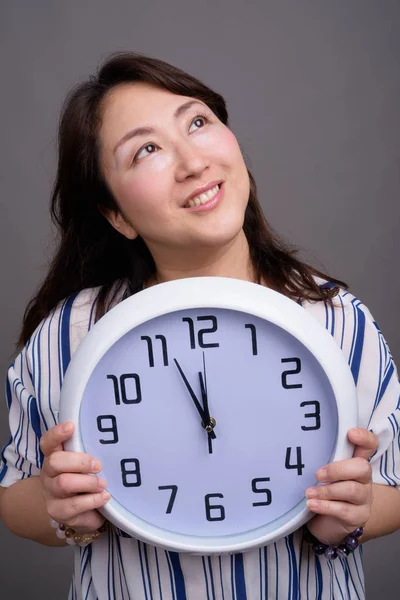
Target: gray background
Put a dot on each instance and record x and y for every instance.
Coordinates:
(313, 90)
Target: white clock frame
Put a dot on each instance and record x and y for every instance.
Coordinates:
(223, 293)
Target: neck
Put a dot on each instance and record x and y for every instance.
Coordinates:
(232, 260)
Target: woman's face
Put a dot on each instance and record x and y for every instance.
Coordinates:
(157, 150)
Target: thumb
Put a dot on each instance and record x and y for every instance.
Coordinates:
(53, 439)
(365, 442)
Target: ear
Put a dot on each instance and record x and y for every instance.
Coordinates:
(118, 221)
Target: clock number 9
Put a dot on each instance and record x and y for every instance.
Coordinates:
(214, 507)
(201, 332)
(125, 472)
(113, 429)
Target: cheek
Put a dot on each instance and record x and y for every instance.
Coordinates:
(143, 192)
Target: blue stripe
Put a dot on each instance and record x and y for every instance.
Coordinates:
(170, 574)
(220, 577)
(318, 576)
(239, 577)
(178, 576)
(333, 321)
(146, 558)
(343, 323)
(211, 577)
(121, 570)
(158, 573)
(232, 579)
(35, 420)
(205, 576)
(65, 337)
(295, 570)
(359, 341)
(276, 570)
(142, 570)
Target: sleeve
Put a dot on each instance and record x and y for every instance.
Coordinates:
(21, 456)
(34, 383)
(375, 375)
(378, 389)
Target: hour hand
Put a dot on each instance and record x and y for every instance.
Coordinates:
(208, 422)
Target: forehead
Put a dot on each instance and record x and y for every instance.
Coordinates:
(136, 105)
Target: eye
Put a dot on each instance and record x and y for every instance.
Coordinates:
(142, 149)
(199, 118)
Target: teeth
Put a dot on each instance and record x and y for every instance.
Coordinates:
(197, 200)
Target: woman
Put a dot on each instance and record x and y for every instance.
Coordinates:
(152, 186)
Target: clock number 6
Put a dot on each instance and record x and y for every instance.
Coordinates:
(214, 507)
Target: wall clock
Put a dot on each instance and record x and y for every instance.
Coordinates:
(211, 403)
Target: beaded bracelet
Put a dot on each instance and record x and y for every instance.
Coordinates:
(73, 537)
(349, 544)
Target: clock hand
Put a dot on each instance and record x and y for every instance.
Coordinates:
(191, 392)
(208, 422)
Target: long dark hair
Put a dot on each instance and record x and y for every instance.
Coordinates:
(90, 251)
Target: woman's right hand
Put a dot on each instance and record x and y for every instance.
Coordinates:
(71, 491)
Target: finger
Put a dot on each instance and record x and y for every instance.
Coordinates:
(345, 491)
(357, 469)
(349, 514)
(68, 509)
(85, 522)
(53, 439)
(366, 442)
(70, 462)
(70, 484)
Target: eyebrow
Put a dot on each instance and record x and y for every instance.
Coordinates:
(148, 130)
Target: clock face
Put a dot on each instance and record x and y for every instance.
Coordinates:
(274, 407)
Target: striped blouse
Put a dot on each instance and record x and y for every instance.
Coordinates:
(118, 566)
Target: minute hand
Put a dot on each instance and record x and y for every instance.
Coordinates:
(201, 411)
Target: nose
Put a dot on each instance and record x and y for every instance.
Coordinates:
(191, 161)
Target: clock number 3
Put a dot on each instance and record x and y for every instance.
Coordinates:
(312, 415)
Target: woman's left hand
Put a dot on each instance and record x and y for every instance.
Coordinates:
(345, 501)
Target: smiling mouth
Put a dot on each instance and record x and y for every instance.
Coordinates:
(203, 198)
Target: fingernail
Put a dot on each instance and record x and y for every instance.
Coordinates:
(105, 495)
(96, 466)
(312, 504)
(102, 483)
(322, 474)
(67, 427)
(311, 493)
